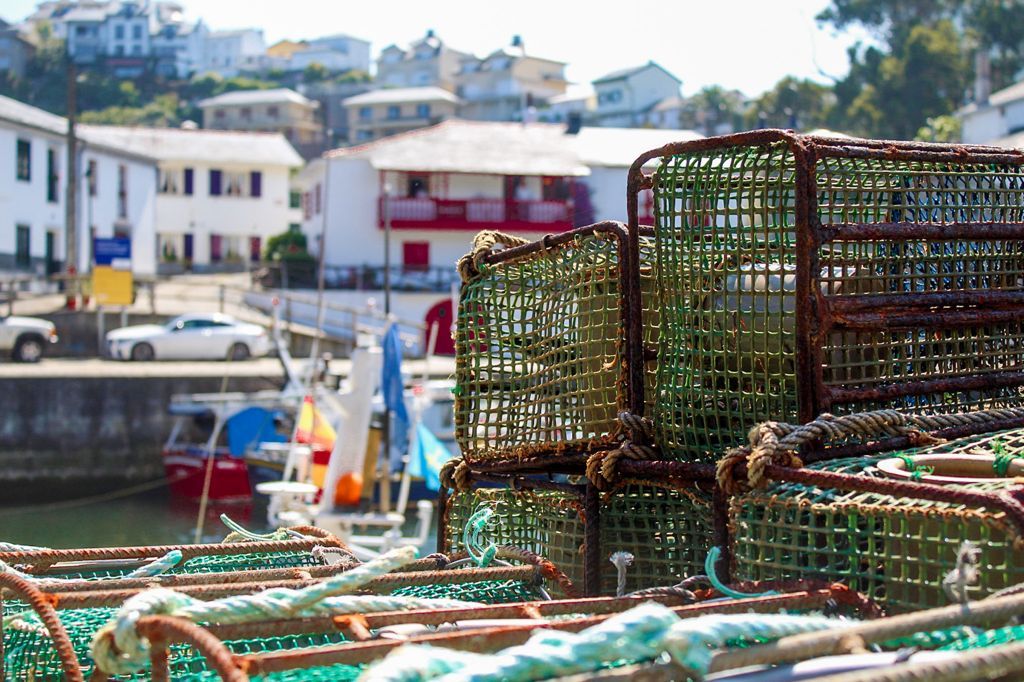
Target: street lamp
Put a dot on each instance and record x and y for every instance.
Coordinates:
(386, 208)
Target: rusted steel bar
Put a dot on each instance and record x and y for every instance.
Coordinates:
(942, 319)
(42, 604)
(566, 462)
(495, 638)
(721, 533)
(109, 597)
(964, 155)
(168, 629)
(442, 519)
(374, 621)
(974, 382)
(591, 541)
(890, 444)
(931, 299)
(861, 232)
(549, 241)
(1010, 502)
(50, 557)
(661, 469)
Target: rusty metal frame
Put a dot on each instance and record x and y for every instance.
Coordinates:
(817, 314)
(631, 355)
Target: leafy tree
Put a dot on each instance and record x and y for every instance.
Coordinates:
(315, 73)
(711, 108)
(940, 129)
(290, 245)
(793, 103)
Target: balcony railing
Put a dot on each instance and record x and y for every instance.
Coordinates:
(476, 214)
(303, 275)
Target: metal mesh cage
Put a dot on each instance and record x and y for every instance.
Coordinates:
(800, 275)
(542, 355)
(896, 550)
(666, 527)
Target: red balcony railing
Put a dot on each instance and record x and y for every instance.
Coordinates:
(476, 214)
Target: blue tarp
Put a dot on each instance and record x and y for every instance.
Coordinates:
(250, 427)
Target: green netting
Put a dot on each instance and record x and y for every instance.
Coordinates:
(539, 347)
(666, 529)
(894, 550)
(29, 654)
(726, 234)
(997, 637)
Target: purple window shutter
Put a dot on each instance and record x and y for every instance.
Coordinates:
(255, 184)
(215, 183)
(188, 181)
(215, 248)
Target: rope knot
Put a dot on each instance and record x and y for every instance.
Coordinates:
(456, 475)
(471, 265)
(636, 434)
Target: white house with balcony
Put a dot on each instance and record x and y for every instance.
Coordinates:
(116, 194)
(220, 194)
(626, 97)
(428, 192)
(228, 53)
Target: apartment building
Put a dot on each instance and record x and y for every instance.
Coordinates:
(279, 110)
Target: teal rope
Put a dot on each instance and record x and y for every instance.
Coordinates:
(279, 534)
(709, 569)
(472, 537)
(915, 471)
(640, 634)
(13, 547)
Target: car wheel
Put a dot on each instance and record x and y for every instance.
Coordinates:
(142, 352)
(238, 351)
(28, 349)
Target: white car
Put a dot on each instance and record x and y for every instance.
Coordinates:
(26, 337)
(190, 337)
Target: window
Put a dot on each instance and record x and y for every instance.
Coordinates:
(234, 184)
(81, 31)
(246, 113)
(364, 135)
(137, 32)
(168, 181)
(307, 206)
(51, 176)
(365, 113)
(319, 204)
(137, 49)
(272, 111)
(91, 174)
(122, 191)
(215, 248)
(416, 255)
(22, 255)
(119, 50)
(255, 184)
(24, 160)
(255, 249)
(394, 111)
(119, 32)
(189, 179)
(219, 114)
(294, 199)
(215, 180)
(423, 111)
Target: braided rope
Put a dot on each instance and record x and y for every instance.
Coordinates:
(470, 265)
(640, 634)
(118, 648)
(14, 547)
(472, 537)
(636, 435)
(777, 443)
(456, 474)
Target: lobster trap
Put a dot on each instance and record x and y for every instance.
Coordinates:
(548, 343)
(666, 525)
(799, 275)
(893, 525)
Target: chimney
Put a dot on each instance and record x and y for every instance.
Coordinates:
(574, 123)
(430, 33)
(982, 77)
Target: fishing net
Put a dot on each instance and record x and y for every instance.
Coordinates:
(29, 653)
(902, 315)
(667, 528)
(541, 347)
(896, 550)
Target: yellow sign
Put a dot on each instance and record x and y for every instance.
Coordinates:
(110, 286)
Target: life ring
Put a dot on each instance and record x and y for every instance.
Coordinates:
(950, 469)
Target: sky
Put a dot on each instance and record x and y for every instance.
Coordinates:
(743, 44)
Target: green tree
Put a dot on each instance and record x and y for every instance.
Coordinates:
(711, 108)
(314, 73)
(793, 103)
(940, 129)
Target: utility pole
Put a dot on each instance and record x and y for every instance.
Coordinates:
(71, 193)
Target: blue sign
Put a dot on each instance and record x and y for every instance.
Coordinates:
(115, 252)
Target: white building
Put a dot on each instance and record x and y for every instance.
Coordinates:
(428, 61)
(228, 53)
(178, 45)
(993, 117)
(336, 53)
(625, 98)
(450, 181)
(220, 194)
(116, 196)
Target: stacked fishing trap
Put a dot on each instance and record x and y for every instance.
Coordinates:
(787, 279)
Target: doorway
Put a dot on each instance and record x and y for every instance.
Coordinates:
(440, 317)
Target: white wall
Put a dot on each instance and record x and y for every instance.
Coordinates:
(101, 211)
(24, 203)
(229, 216)
(983, 126)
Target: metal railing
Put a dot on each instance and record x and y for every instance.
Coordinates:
(285, 275)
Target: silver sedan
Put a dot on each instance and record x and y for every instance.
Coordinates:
(212, 336)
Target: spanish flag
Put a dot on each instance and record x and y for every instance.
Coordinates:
(314, 430)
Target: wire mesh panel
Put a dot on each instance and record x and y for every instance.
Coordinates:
(542, 358)
(799, 275)
(667, 528)
(896, 550)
